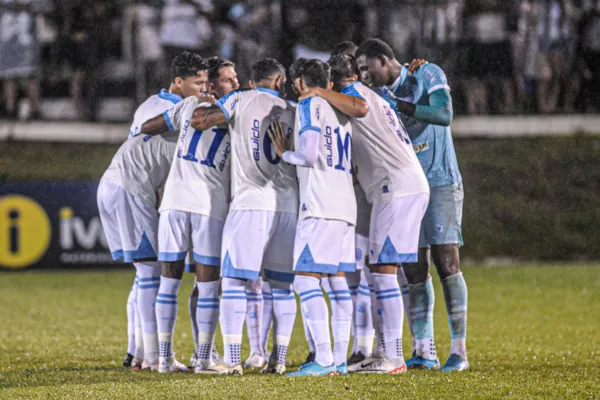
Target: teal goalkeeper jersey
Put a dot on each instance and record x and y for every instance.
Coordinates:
(432, 143)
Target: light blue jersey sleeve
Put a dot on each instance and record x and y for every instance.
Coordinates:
(350, 90)
(309, 116)
(229, 104)
(433, 78)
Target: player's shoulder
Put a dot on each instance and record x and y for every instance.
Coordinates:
(430, 71)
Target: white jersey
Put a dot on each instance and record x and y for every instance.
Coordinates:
(141, 165)
(326, 189)
(198, 181)
(153, 106)
(387, 165)
(259, 179)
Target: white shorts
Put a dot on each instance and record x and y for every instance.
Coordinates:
(130, 224)
(324, 246)
(362, 250)
(395, 227)
(257, 240)
(180, 231)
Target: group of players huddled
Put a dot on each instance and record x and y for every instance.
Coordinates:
(347, 193)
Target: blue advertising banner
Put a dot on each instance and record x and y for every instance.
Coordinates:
(49, 225)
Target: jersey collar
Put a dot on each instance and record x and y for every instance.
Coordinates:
(399, 80)
(172, 97)
(270, 91)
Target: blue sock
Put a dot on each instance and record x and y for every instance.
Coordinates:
(422, 298)
(456, 297)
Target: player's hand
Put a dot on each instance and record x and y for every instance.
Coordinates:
(207, 98)
(415, 64)
(277, 135)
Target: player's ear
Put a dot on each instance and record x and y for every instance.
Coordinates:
(178, 81)
(251, 84)
(382, 60)
(330, 85)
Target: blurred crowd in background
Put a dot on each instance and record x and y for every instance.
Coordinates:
(501, 56)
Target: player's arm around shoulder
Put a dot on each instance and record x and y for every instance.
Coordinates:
(350, 103)
(218, 112)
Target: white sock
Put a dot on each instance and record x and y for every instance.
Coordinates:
(254, 314)
(148, 284)
(341, 316)
(192, 307)
(284, 309)
(267, 315)
(314, 309)
(233, 314)
(166, 314)
(365, 334)
(131, 317)
(379, 342)
(139, 335)
(207, 317)
(389, 305)
(353, 279)
(406, 302)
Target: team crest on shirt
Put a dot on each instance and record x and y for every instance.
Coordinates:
(318, 112)
(358, 254)
(233, 104)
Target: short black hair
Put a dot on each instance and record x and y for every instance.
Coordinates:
(342, 66)
(214, 66)
(316, 73)
(187, 64)
(296, 68)
(375, 48)
(344, 46)
(265, 68)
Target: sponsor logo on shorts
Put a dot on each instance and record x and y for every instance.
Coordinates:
(358, 254)
(439, 228)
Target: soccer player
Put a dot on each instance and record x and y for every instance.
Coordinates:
(185, 81)
(194, 207)
(324, 242)
(390, 175)
(424, 101)
(258, 237)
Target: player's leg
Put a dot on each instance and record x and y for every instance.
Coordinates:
(278, 270)
(363, 333)
(109, 197)
(174, 235)
(403, 282)
(206, 238)
(267, 319)
(190, 267)
(317, 251)
(136, 364)
(242, 251)
(447, 204)
(141, 247)
(393, 239)
(131, 299)
(353, 280)
(421, 299)
(254, 315)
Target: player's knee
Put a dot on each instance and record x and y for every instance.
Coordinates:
(446, 259)
(417, 272)
(207, 273)
(173, 270)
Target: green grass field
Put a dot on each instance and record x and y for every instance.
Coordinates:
(533, 333)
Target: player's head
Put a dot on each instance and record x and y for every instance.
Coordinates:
(375, 59)
(345, 47)
(313, 73)
(222, 78)
(189, 75)
(268, 73)
(343, 71)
